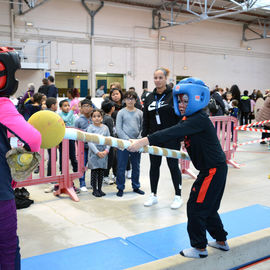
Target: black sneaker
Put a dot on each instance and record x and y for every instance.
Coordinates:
(25, 193)
(17, 192)
(139, 191)
(120, 193)
(263, 142)
(96, 193)
(102, 193)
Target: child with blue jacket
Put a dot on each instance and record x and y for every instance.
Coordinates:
(68, 116)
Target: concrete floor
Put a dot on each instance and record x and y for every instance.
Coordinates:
(53, 223)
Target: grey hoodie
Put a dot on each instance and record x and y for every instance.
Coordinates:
(83, 123)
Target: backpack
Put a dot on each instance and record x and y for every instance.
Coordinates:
(22, 198)
(213, 106)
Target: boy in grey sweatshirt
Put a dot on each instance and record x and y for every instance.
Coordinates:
(83, 123)
(128, 126)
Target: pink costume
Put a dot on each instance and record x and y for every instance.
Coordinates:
(13, 122)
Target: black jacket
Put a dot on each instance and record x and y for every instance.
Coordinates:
(200, 139)
(165, 110)
(52, 91)
(220, 103)
(43, 89)
(144, 95)
(245, 104)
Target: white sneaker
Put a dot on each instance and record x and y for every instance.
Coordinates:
(151, 200)
(84, 189)
(113, 178)
(177, 202)
(107, 181)
(224, 247)
(49, 189)
(129, 174)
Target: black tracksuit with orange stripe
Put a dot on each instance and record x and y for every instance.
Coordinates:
(207, 156)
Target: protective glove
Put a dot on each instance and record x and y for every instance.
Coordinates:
(22, 163)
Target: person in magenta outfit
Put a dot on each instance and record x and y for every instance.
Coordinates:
(13, 122)
(73, 96)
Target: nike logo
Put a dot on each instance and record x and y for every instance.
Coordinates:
(152, 106)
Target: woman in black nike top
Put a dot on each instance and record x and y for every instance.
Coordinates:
(159, 114)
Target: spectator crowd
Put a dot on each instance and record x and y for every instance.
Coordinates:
(127, 116)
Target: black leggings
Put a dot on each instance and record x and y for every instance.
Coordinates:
(72, 156)
(155, 162)
(97, 178)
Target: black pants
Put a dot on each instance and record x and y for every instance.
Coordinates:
(264, 134)
(72, 156)
(251, 117)
(244, 116)
(203, 204)
(155, 162)
(112, 162)
(49, 170)
(97, 179)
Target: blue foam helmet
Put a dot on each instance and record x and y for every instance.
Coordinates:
(198, 95)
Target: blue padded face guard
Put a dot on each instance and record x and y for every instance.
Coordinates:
(198, 95)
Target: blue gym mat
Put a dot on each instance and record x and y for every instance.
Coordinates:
(118, 254)
(112, 254)
(170, 240)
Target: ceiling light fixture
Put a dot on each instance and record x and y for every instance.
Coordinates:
(163, 38)
(72, 62)
(111, 63)
(29, 24)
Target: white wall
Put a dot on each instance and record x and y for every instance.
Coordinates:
(211, 50)
(28, 76)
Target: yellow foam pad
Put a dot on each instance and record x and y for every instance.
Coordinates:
(51, 127)
(25, 159)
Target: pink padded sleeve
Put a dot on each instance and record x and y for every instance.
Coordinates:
(15, 123)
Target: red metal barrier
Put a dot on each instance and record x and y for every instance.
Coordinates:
(223, 126)
(228, 142)
(64, 180)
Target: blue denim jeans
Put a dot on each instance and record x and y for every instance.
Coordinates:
(122, 159)
(82, 179)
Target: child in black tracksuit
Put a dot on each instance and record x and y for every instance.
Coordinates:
(207, 156)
